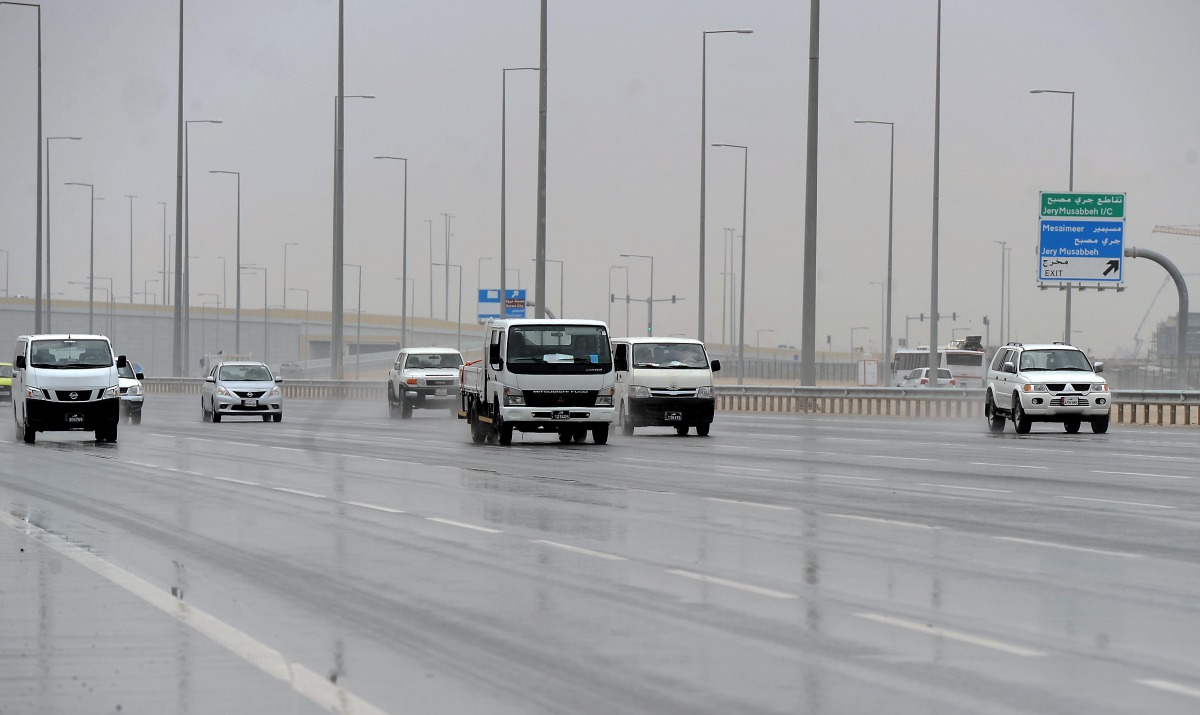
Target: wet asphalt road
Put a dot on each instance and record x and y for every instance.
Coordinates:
(343, 562)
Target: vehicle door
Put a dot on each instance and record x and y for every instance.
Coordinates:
(999, 378)
(18, 380)
(622, 352)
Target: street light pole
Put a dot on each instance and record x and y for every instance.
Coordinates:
(852, 350)
(1003, 251)
(358, 334)
(479, 284)
(758, 340)
(164, 252)
(404, 255)
(883, 313)
(91, 253)
(742, 298)
(446, 306)
(49, 289)
(560, 284)
(146, 289)
(650, 301)
(339, 184)
(430, 222)
(887, 318)
(305, 319)
(704, 154)
(285, 248)
(131, 197)
(186, 276)
(266, 311)
(503, 177)
(448, 266)
(1070, 187)
(237, 261)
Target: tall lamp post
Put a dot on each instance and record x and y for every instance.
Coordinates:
(146, 289)
(339, 180)
(403, 254)
(887, 313)
(285, 248)
(91, 252)
(883, 314)
(305, 318)
(503, 177)
(216, 300)
(758, 340)
(1070, 187)
(49, 289)
(358, 334)
(164, 252)
(742, 298)
(447, 217)
(185, 278)
(704, 153)
(561, 314)
(612, 297)
(1003, 251)
(131, 197)
(266, 312)
(479, 284)
(650, 302)
(237, 261)
(448, 266)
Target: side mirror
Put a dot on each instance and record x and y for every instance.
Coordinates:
(716, 366)
(278, 379)
(1098, 366)
(621, 364)
(20, 362)
(1009, 367)
(122, 361)
(494, 358)
(209, 378)
(140, 375)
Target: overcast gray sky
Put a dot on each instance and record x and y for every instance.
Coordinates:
(624, 149)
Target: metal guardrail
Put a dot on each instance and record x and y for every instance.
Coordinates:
(1142, 407)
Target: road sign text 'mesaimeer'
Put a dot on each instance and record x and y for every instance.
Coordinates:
(1073, 205)
(1080, 251)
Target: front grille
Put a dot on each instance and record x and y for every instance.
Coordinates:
(675, 392)
(1058, 401)
(73, 395)
(251, 394)
(1083, 387)
(440, 382)
(1055, 386)
(555, 398)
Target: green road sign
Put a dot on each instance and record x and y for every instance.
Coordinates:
(1073, 205)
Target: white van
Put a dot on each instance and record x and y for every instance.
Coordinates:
(664, 382)
(66, 383)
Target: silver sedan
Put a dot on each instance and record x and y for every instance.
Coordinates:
(245, 389)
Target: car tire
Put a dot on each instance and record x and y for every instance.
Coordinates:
(393, 407)
(266, 418)
(216, 416)
(135, 418)
(277, 417)
(995, 421)
(703, 428)
(1072, 426)
(1100, 424)
(1021, 421)
(505, 435)
(626, 422)
(406, 409)
(600, 434)
(580, 436)
(479, 432)
(29, 434)
(565, 436)
(681, 430)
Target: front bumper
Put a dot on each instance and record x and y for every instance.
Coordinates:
(52, 416)
(671, 411)
(245, 406)
(132, 405)
(441, 396)
(548, 418)
(1056, 407)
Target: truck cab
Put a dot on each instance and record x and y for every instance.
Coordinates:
(666, 382)
(541, 376)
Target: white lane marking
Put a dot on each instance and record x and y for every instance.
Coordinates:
(1113, 501)
(236, 481)
(242, 444)
(729, 446)
(1041, 450)
(1017, 466)
(906, 459)
(749, 503)
(376, 507)
(970, 489)
(290, 449)
(577, 550)
(183, 471)
(650, 491)
(463, 525)
(1170, 687)
(309, 684)
(806, 451)
(892, 522)
(951, 634)
(651, 461)
(297, 491)
(1068, 547)
(1159, 457)
(839, 476)
(143, 464)
(732, 584)
(740, 469)
(1141, 474)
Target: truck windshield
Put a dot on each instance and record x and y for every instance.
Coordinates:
(560, 349)
(69, 353)
(669, 355)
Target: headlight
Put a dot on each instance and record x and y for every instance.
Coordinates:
(33, 393)
(113, 391)
(639, 391)
(135, 390)
(1036, 388)
(1102, 387)
(275, 392)
(223, 392)
(705, 392)
(513, 397)
(605, 398)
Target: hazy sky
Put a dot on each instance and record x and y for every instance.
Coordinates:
(624, 149)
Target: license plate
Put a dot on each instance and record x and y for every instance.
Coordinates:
(74, 418)
(441, 392)
(1070, 400)
(674, 417)
(249, 403)
(561, 415)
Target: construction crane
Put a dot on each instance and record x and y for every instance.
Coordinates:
(1181, 230)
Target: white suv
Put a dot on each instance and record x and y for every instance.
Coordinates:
(1045, 383)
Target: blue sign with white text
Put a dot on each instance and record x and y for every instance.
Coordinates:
(489, 303)
(1080, 251)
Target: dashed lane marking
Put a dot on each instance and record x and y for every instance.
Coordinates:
(1066, 547)
(772, 593)
(890, 522)
(463, 525)
(749, 503)
(953, 635)
(578, 550)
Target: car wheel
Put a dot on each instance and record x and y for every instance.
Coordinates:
(1100, 425)
(135, 418)
(565, 436)
(600, 434)
(702, 428)
(405, 409)
(29, 434)
(393, 406)
(266, 418)
(505, 435)
(580, 436)
(626, 422)
(277, 417)
(1021, 421)
(681, 430)
(995, 421)
(216, 416)
(479, 432)
(1072, 426)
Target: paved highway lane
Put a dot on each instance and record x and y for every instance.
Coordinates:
(341, 561)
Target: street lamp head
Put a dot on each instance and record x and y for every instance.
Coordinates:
(397, 158)
(1052, 91)
(735, 146)
(71, 138)
(222, 171)
(77, 183)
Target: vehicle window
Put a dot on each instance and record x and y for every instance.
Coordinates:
(672, 355)
(944, 375)
(566, 349)
(916, 374)
(6, 371)
(126, 372)
(70, 353)
(244, 373)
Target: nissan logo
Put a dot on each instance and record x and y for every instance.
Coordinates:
(74, 395)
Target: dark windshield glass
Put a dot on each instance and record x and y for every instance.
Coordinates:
(244, 373)
(69, 353)
(1057, 359)
(568, 349)
(672, 355)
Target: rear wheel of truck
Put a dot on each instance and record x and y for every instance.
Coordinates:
(479, 431)
(681, 430)
(505, 435)
(565, 435)
(703, 428)
(600, 434)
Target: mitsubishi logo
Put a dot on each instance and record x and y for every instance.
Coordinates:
(561, 401)
(74, 395)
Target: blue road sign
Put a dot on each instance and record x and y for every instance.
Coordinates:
(1075, 251)
(489, 303)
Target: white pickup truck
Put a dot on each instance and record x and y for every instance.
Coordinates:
(548, 376)
(424, 378)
